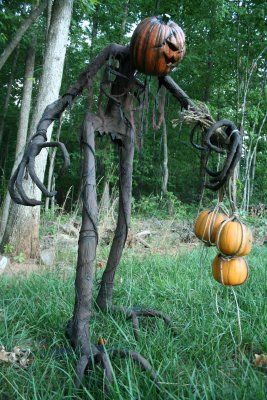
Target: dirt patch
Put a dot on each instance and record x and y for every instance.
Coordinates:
(24, 269)
(146, 236)
(161, 236)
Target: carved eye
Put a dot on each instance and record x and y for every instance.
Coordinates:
(172, 46)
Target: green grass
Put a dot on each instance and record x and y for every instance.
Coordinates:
(205, 360)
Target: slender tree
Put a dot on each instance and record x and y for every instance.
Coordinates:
(165, 171)
(22, 228)
(20, 32)
(23, 124)
(125, 16)
(51, 168)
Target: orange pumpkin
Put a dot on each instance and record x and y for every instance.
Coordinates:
(157, 45)
(207, 224)
(234, 239)
(230, 272)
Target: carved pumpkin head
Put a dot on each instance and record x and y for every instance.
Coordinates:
(157, 45)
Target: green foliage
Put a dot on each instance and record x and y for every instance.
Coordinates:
(8, 248)
(20, 258)
(161, 207)
(259, 224)
(87, 6)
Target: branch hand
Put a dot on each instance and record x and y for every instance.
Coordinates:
(27, 164)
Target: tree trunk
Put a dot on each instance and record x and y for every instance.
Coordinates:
(9, 88)
(48, 15)
(202, 171)
(20, 32)
(23, 126)
(253, 169)
(50, 178)
(233, 190)
(105, 199)
(125, 17)
(95, 23)
(165, 171)
(23, 223)
(53, 188)
(157, 6)
(93, 37)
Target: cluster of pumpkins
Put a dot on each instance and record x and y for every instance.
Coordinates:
(233, 240)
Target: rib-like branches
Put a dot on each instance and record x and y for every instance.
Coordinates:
(52, 113)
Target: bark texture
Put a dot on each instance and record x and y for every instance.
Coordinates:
(23, 223)
(78, 329)
(50, 178)
(126, 154)
(125, 133)
(20, 32)
(23, 126)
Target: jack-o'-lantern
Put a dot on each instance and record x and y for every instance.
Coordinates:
(157, 45)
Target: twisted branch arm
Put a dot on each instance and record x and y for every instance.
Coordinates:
(51, 113)
(231, 139)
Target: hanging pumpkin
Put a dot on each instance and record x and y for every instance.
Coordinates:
(234, 238)
(207, 224)
(157, 45)
(230, 272)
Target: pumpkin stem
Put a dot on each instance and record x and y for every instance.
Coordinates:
(165, 18)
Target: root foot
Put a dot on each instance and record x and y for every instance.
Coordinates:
(103, 357)
(91, 354)
(135, 313)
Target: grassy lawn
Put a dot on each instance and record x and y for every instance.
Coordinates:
(207, 359)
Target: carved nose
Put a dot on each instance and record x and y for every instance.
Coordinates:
(170, 60)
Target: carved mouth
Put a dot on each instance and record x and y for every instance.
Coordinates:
(170, 61)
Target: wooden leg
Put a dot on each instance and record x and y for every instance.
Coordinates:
(126, 154)
(104, 298)
(78, 327)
